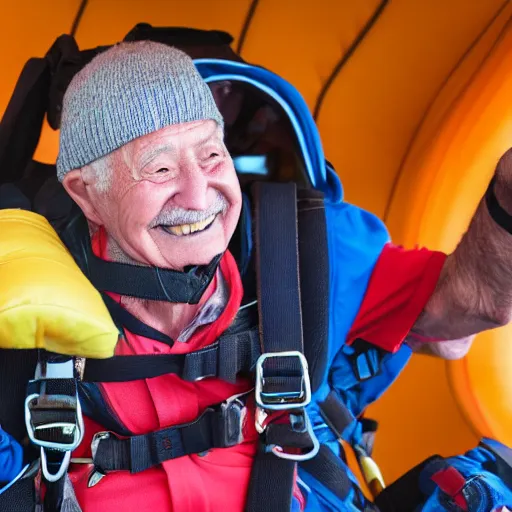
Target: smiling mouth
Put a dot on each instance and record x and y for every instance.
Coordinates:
(189, 229)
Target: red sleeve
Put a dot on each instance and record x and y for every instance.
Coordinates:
(399, 288)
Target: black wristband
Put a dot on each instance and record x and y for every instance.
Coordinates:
(499, 215)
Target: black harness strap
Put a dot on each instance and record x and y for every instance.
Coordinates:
(327, 468)
(335, 413)
(314, 282)
(229, 356)
(278, 280)
(271, 484)
(150, 282)
(17, 367)
(21, 495)
(405, 494)
(21, 124)
(218, 427)
(54, 421)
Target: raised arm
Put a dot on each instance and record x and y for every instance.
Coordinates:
(474, 291)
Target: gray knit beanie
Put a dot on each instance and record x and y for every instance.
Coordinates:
(128, 91)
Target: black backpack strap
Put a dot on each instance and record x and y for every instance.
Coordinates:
(405, 494)
(283, 385)
(335, 413)
(328, 469)
(20, 494)
(22, 121)
(231, 355)
(219, 426)
(314, 282)
(17, 367)
(196, 42)
(501, 451)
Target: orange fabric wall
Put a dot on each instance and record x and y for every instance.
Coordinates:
(412, 64)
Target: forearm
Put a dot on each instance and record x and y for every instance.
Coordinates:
(450, 350)
(474, 291)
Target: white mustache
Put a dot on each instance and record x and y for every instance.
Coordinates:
(178, 216)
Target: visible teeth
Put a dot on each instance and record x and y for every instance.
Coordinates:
(186, 229)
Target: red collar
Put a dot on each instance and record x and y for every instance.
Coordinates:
(209, 333)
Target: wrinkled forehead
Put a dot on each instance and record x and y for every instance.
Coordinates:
(171, 140)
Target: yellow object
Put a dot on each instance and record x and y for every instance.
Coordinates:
(400, 104)
(370, 471)
(45, 299)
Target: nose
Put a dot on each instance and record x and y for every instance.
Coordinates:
(192, 189)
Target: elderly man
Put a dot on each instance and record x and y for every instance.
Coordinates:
(142, 154)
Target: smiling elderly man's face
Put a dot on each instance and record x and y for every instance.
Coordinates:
(173, 198)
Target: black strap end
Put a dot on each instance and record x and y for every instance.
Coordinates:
(496, 211)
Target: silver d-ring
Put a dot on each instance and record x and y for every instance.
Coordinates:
(54, 477)
(278, 451)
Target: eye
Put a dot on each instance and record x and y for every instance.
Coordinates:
(162, 170)
(211, 157)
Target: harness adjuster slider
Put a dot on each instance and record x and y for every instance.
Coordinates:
(56, 435)
(365, 359)
(294, 399)
(286, 446)
(53, 415)
(232, 419)
(219, 426)
(59, 437)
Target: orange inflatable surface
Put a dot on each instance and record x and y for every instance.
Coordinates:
(412, 101)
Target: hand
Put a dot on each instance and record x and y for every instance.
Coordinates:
(474, 291)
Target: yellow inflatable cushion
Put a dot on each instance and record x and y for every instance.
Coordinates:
(45, 299)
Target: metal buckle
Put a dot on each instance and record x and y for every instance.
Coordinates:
(279, 451)
(233, 413)
(53, 477)
(96, 440)
(69, 433)
(359, 351)
(98, 474)
(286, 400)
(75, 429)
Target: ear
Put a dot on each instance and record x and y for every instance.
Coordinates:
(79, 191)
